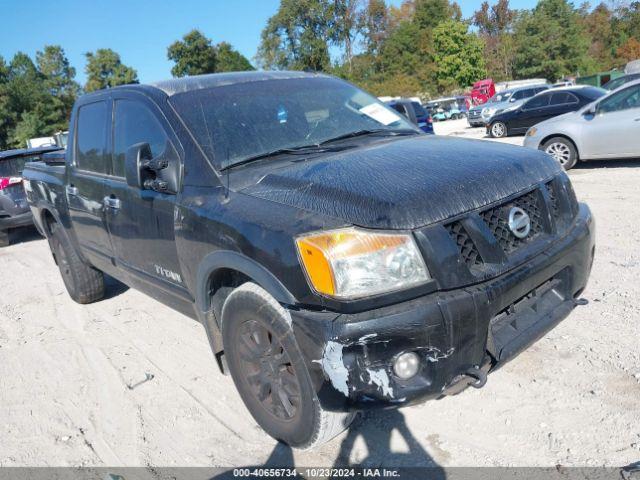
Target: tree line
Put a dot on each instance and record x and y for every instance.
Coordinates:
(422, 47)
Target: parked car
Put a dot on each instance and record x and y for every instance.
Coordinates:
(606, 128)
(510, 99)
(618, 82)
(548, 104)
(338, 257)
(14, 210)
(480, 115)
(414, 112)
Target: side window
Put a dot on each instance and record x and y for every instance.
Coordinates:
(91, 144)
(537, 102)
(624, 100)
(134, 123)
(530, 92)
(519, 95)
(562, 98)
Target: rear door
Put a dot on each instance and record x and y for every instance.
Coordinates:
(141, 222)
(85, 182)
(614, 131)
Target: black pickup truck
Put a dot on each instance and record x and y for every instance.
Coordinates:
(338, 258)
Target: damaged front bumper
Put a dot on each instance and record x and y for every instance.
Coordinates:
(459, 335)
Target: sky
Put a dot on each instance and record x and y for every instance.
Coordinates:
(141, 30)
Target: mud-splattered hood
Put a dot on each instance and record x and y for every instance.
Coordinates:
(405, 183)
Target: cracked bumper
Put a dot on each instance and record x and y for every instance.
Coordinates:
(350, 356)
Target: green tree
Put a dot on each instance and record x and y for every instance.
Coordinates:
(59, 79)
(104, 69)
(373, 24)
(495, 27)
(597, 24)
(458, 55)
(193, 55)
(550, 42)
(429, 13)
(298, 36)
(230, 60)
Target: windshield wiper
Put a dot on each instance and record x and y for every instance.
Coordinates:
(318, 147)
(315, 148)
(372, 131)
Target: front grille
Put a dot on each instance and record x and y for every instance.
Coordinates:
(474, 113)
(468, 251)
(555, 206)
(496, 219)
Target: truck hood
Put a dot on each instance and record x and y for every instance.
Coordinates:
(406, 183)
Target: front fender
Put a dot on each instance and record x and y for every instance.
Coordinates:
(228, 259)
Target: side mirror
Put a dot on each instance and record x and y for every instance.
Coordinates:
(161, 174)
(512, 100)
(133, 160)
(591, 111)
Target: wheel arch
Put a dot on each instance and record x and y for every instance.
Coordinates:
(561, 135)
(229, 269)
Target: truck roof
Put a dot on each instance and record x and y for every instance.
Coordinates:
(198, 82)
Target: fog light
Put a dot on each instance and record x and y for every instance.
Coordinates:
(406, 365)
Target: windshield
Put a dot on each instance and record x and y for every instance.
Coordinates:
(500, 97)
(244, 120)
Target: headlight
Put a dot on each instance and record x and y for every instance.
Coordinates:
(532, 131)
(352, 263)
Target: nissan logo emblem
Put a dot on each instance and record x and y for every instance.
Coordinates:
(519, 222)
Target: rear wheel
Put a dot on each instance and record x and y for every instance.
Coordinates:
(4, 238)
(562, 150)
(498, 130)
(85, 284)
(269, 371)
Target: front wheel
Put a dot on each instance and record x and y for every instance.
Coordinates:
(270, 373)
(562, 150)
(498, 130)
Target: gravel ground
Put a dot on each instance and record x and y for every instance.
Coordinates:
(71, 391)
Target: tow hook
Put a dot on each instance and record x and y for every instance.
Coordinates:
(578, 302)
(480, 377)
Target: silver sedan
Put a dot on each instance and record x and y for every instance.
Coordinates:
(606, 128)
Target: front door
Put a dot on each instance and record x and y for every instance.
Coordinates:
(141, 222)
(533, 111)
(85, 183)
(614, 131)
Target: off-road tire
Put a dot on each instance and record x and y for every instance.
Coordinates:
(4, 238)
(84, 283)
(562, 150)
(250, 308)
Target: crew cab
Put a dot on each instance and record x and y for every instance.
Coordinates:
(339, 258)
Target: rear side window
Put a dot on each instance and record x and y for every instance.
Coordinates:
(135, 123)
(92, 137)
(562, 98)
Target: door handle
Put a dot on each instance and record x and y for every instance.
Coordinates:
(71, 190)
(111, 203)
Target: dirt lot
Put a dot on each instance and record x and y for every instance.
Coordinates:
(70, 391)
